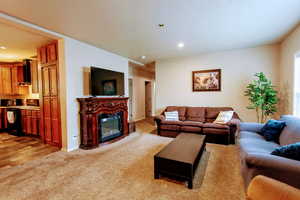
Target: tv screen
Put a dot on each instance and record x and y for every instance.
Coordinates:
(106, 82)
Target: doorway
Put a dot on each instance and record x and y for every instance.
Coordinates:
(148, 99)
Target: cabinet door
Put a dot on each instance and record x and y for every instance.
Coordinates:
(46, 81)
(14, 81)
(1, 82)
(55, 121)
(6, 80)
(34, 125)
(34, 77)
(47, 119)
(28, 122)
(42, 54)
(53, 80)
(1, 118)
(23, 121)
(51, 52)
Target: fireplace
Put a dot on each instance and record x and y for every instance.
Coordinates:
(110, 126)
(102, 120)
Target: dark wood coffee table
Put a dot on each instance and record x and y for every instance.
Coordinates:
(180, 158)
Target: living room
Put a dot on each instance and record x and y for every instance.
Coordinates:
(197, 58)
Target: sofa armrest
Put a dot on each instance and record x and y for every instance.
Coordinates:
(251, 127)
(272, 162)
(234, 122)
(264, 188)
(159, 118)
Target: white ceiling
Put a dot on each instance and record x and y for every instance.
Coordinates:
(129, 27)
(19, 44)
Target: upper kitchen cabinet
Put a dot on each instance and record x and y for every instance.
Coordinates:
(11, 75)
(5, 79)
(34, 77)
(48, 54)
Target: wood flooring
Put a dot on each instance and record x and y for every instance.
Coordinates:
(18, 150)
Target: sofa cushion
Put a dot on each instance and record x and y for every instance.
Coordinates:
(224, 117)
(181, 111)
(257, 145)
(213, 112)
(291, 151)
(192, 123)
(169, 127)
(250, 135)
(272, 130)
(179, 123)
(195, 114)
(172, 116)
(217, 126)
(291, 132)
(193, 129)
(215, 131)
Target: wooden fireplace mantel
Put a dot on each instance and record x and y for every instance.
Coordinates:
(90, 109)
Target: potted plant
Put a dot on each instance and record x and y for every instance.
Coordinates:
(262, 96)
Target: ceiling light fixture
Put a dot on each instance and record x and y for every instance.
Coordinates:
(143, 57)
(2, 47)
(180, 45)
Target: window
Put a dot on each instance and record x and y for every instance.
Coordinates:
(297, 86)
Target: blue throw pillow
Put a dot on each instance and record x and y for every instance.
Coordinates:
(291, 151)
(272, 129)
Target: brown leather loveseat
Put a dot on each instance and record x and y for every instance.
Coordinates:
(198, 120)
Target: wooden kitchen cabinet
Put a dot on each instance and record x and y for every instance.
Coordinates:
(50, 109)
(5, 78)
(10, 76)
(51, 52)
(45, 81)
(34, 77)
(30, 120)
(35, 126)
(14, 81)
(3, 119)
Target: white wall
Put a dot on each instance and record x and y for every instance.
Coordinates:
(174, 78)
(78, 57)
(289, 48)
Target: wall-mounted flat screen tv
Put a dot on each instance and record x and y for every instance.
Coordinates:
(106, 82)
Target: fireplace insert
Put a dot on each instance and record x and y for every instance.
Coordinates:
(110, 126)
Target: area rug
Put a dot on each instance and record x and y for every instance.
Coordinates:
(122, 170)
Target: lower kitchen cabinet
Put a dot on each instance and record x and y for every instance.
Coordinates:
(3, 121)
(30, 122)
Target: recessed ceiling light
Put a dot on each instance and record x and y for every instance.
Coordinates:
(2, 47)
(180, 44)
(143, 57)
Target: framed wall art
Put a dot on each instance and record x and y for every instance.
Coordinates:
(207, 80)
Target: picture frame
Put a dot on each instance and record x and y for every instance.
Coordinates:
(206, 80)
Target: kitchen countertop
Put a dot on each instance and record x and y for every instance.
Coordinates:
(23, 107)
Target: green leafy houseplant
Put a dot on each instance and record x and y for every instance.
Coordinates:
(262, 96)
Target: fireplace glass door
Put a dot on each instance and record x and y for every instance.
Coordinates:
(110, 126)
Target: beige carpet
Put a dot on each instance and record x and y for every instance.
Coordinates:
(123, 170)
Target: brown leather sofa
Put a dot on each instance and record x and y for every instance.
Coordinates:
(198, 120)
